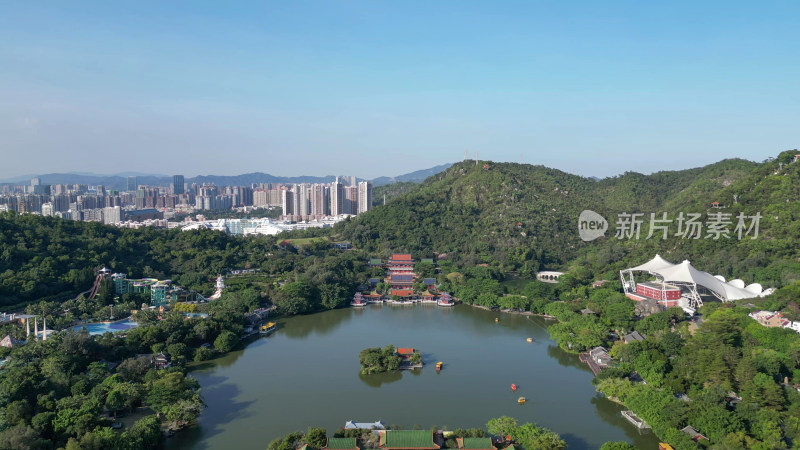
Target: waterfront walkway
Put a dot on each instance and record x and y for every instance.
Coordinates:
(585, 358)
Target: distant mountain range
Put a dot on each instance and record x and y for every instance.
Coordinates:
(119, 181)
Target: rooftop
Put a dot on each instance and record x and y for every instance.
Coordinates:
(407, 439)
(475, 443)
(341, 444)
(349, 425)
(402, 277)
(403, 292)
(633, 336)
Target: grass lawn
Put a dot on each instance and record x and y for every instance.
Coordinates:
(305, 241)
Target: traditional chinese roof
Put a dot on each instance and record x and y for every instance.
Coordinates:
(427, 260)
(401, 257)
(475, 443)
(341, 444)
(351, 425)
(633, 336)
(429, 281)
(405, 351)
(403, 292)
(407, 439)
(396, 277)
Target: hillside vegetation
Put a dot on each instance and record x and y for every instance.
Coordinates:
(523, 218)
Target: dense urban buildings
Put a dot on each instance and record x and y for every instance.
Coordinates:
(303, 202)
(315, 201)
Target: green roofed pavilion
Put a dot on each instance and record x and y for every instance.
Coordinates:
(426, 261)
(341, 444)
(475, 443)
(375, 262)
(407, 439)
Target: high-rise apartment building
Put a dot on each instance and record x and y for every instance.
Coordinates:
(350, 204)
(177, 184)
(364, 196)
(304, 199)
(112, 215)
(132, 184)
(319, 200)
(289, 202)
(337, 197)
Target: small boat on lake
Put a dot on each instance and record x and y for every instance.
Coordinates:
(267, 328)
(513, 387)
(439, 365)
(529, 339)
(522, 400)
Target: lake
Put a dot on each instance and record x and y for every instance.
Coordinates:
(307, 374)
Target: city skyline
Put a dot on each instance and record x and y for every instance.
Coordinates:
(320, 88)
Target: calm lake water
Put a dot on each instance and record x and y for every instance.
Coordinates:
(307, 374)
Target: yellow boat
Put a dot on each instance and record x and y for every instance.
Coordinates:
(496, 319)
(521, 400)
(439, 365)
(268, 328)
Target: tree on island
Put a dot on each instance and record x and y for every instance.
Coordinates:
(376, 360)
(529, 436)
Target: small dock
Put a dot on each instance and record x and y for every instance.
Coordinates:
(635, 420)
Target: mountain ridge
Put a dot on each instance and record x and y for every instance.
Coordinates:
(524, 218)
(118, 181)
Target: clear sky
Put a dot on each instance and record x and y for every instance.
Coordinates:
(383, 88)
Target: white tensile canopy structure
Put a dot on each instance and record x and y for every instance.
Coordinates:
(687, 276)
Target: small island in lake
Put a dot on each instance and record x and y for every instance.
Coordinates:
(377, 360)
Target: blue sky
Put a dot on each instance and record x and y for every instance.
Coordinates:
(383, 88)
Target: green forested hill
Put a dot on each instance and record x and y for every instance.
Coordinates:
(516, 218)
(522, 218)
(48, 258)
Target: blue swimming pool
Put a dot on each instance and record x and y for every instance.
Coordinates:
(102, 327)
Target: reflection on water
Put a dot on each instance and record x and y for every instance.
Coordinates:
(225, 411)
(610, 412)
(379, 379)
(307, 374)
(566, 359)
(318, 324)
